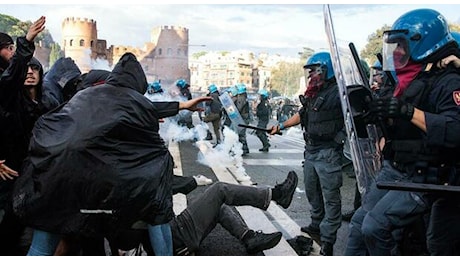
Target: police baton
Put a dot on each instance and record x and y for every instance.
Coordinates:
(258, 128)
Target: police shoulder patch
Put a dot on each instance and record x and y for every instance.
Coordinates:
(456, 96)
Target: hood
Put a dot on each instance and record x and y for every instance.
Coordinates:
(58, 80)
(34, 61)
(94, 77)
(128, 73)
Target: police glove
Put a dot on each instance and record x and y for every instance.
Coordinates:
(392, 108)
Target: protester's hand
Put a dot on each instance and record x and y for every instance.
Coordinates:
(192, 104)
(449, 59)
(391, 108)
(6, 172)
(36, 28)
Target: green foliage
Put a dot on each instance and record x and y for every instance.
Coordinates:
(6, 22)
(285, 78)
(305, 54)
(197, 55)
(16, 28)
(55, 53)
(374, 45)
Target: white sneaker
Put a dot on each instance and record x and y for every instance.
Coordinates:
(202, 180)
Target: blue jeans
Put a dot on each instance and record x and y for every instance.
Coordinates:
(382, 212)
(161, 239)
(323, 179)
(43, 243)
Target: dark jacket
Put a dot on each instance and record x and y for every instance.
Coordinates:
(322, 118)
(263, 112)
(98, 162)
(59, 82)
(17, 113)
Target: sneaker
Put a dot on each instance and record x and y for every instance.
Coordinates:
(313, 232)
(348, 215)
(287, 189)
(258, 241)
(201, 180)
(327, 249)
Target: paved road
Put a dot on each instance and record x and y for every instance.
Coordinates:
(265, 169)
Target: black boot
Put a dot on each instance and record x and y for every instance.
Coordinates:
(282, 193)
(258, 241)
(348, 215)
(327, 249)
(265, 148)
(313, 232)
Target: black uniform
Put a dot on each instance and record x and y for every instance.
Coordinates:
(263, 115)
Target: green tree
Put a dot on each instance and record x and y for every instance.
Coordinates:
(305, 54)
(197, 55)
(285, 78)
(374, 45)
(55, 53)
(6, 22)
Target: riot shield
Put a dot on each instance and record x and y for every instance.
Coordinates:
(362, 137)
(232, 111)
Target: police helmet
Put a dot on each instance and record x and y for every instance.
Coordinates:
(181, 83)
(241, 88)
(212, 88)
(323, 60)
(420, 33)
(155, 87)
(456, 36)
(264, 93)
(234, 90)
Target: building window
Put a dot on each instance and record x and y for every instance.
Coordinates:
(169, 53)
(92, 44)
(160, 51)
(179, 52)
(82, 43)
(71, 43)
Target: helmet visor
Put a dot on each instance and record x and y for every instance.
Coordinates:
(396, 51)
(312, 70)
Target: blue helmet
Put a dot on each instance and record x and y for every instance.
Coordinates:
(212, 88)
(456, 36)
(322, 59)
(241, 88)
(233, 90)
(420, 32)
(181, 83)
(264, 93)
(155, 87)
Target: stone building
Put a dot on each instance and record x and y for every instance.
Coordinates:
(164, 58)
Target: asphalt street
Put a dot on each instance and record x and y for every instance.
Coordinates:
(265, 169)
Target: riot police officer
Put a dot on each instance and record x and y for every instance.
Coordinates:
(422, 119)
(242, 105)
(263, 112)
(322, 120)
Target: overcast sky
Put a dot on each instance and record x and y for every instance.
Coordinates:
(274, 28)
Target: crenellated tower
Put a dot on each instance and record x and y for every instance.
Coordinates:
(80, 40)
(169, 55)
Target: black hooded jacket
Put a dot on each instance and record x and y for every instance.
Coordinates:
(98, 163)
(18, 112)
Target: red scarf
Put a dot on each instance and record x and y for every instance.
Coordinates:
(314, 85)
(405, 76)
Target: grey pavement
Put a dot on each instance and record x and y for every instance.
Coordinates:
(265, 169)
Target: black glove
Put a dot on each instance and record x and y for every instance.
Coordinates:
(391, 108)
